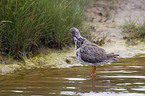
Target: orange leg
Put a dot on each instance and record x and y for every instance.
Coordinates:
(94, 70)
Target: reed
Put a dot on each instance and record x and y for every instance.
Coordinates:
(28, 23)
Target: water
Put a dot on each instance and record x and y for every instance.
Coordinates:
(125, 77)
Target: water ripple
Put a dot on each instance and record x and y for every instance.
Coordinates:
(135, 66)
(141, 77)
(121, 71)
(76, 79)
(139, 89)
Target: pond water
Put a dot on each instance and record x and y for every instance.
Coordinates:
(125, 77)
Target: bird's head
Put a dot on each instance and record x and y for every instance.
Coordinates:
(75, 32)
(78, 39)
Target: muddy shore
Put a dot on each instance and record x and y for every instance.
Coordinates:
(114, 42)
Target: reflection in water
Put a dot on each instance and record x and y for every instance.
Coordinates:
(117, 79)
(67, 93)
(70, 88)
(124, 76)
(79, 79)
(138, 83)
(139, 89)
(124, 84)
(121, 71)
(17, 91)
(109, 94)
(94, 80)
(135, 66)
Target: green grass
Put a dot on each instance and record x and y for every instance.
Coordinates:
(27, 24)
(134, 31)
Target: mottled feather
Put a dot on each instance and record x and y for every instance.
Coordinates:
(89, 53)
(92, 53)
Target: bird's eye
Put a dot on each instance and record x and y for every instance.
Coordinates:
(75, 39)
(82, 42)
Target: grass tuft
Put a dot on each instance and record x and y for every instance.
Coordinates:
(27, 24)
(134, 31)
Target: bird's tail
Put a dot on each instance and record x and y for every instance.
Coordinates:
(113, 56)
(114, 59)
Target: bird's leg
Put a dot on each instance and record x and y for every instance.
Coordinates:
(94, 70)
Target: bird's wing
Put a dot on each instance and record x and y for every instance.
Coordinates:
(92, 53)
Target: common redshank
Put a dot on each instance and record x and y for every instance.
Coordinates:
(89, 53)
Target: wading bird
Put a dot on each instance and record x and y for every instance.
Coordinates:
(89, 53)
